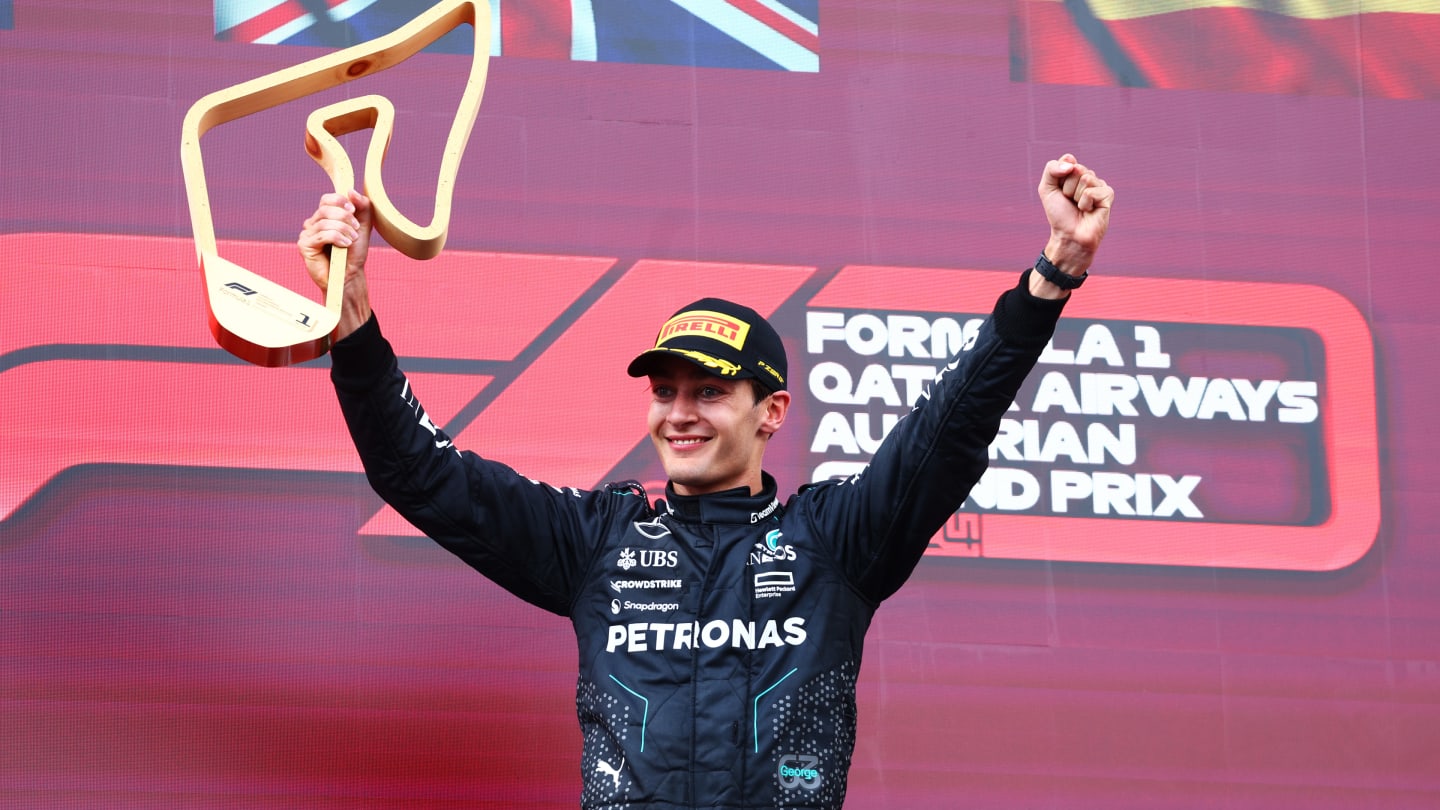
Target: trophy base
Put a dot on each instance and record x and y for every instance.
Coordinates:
(262, 322)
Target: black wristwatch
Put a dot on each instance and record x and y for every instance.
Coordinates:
(1054, 275)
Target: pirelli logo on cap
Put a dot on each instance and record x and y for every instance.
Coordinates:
(703, 323)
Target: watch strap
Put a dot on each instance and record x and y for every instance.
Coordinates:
(1056, 276)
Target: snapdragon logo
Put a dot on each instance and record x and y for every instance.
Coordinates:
(799, 771)
(663, 607)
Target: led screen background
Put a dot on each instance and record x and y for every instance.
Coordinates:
(202, 604)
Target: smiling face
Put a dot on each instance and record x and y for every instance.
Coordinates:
(709, 431)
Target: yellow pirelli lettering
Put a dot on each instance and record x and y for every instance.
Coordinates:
(703, 323)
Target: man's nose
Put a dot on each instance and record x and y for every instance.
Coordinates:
(682, 410)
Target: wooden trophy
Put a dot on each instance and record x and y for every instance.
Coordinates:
(266, 323)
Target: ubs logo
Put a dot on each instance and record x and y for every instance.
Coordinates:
(647, 558)
(655, 558)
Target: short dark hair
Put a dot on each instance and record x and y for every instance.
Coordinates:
(759, 389)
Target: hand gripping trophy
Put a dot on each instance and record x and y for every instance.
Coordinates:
(268, 324)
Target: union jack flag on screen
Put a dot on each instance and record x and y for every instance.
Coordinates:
(1377, 48)
(752, 34)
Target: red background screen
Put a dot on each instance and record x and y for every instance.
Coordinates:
(1200, 575)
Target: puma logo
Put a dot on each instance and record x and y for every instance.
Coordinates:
(614, 773)
(249, 333)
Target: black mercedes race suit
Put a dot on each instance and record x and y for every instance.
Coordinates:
(719, 636)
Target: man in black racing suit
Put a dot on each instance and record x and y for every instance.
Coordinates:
(720, 629)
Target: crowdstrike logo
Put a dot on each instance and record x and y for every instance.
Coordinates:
(623, 585)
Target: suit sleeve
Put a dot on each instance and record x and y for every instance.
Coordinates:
(532, 539)
(881, 521)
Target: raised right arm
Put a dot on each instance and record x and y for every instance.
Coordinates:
(532, 539)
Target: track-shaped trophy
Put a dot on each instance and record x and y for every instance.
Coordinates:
(266, 323)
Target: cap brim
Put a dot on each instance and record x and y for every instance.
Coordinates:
(641, 366)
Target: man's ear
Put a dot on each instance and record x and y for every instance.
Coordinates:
(776, 406)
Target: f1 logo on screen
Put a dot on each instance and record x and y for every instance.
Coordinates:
(1170, 422)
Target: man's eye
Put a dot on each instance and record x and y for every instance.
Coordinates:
(662, 392)
(710, 392)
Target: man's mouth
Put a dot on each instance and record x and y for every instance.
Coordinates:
(691, 442)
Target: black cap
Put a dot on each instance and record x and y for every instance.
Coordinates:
(724, 338)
